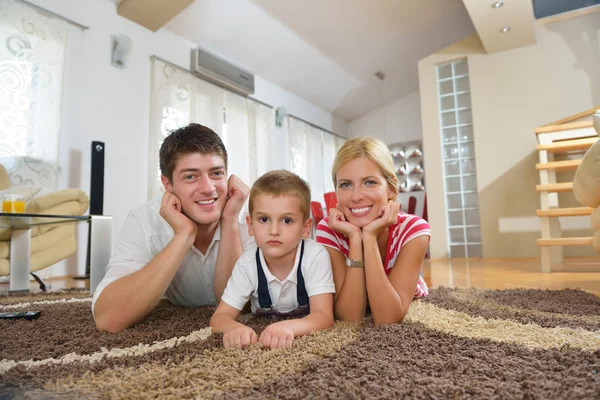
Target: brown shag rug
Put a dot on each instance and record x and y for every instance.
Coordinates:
(458, 343)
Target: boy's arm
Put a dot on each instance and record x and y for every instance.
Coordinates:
(236, 334)
(320, 317)
(282, 334)
(225, 318)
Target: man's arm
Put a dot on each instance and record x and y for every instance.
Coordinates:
(129, 299)
(230, 246)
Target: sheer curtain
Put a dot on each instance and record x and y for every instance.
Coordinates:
(178, 98)
(312, 151)
(32, 54)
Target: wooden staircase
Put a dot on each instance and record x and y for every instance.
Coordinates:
(573, 134)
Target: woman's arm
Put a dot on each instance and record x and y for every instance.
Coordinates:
(350, 287)
(390, 297)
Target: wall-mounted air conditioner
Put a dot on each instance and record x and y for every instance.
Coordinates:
(215, 69)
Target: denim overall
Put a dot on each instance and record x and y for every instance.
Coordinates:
(264, 299)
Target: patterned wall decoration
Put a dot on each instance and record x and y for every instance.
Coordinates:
(408, 161)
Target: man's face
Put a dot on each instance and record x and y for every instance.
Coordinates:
(200, 183)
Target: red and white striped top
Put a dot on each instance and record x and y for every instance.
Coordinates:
(406, 228)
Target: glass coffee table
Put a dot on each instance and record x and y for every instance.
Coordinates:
(20, 244)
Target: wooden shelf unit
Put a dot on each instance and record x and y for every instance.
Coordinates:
(575, 133)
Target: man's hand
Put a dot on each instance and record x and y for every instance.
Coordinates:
(239, 337)
(338, 223)
(170, 210)
(237, 193)
(387, 215)
(276, 336)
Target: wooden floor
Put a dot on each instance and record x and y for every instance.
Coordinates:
(583, 273)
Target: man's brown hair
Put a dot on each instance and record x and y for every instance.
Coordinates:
(193, 138)
(281, 183)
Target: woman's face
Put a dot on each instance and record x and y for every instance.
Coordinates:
(361, 191)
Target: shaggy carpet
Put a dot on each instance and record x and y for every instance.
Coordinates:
(457, 343)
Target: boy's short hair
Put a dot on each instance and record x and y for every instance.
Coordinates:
(281, 182)
(192, 138)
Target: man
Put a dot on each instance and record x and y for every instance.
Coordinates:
(171, 246)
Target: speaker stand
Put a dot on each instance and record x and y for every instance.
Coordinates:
(87, 259)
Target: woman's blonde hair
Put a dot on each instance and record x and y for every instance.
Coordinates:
(373, 149)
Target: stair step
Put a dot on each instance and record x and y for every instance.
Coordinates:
(565, 212)
(568, 145)
(567, 165)
(574, 241)
(555, 187)
(564, 127)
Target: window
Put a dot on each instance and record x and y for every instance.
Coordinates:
(458, 153)
(547, 8)
(32, 54)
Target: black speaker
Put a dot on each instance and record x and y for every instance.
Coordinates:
(97, 179)
(96, 193)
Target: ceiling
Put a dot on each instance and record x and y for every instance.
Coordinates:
(327, 52)
(517, 15)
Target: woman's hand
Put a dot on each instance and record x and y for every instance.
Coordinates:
(387, 215)
(338, 223)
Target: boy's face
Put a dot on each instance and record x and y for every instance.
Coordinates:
(200, 183)
(278, 225)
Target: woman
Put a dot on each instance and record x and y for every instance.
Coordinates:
(376, 251)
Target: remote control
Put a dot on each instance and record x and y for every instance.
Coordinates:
(29, 315)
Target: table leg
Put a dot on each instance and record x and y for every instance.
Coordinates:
(20, 254)
(100, 248)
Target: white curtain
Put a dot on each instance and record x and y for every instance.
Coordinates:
(178, 98)
(311, 153)
(32, 54)
(260, 127)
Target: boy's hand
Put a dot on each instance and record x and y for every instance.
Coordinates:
(387, 215)
(338, 223)
(237, 193)
(170, 210)
(276, 336)
(240, 337)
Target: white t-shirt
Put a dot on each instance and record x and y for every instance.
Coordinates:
(243, 284)
(144, 235)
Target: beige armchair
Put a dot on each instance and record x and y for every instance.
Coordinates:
(49, 244)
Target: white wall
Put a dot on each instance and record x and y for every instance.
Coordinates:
(393, 122)
(103, 103)
(512, 93)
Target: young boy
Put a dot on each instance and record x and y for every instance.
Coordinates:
(286, 274)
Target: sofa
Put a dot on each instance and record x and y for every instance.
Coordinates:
(586, 184)
(49, 243)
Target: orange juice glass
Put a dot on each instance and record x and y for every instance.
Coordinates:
(13, 203)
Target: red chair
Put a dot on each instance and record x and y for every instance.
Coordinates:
(414, 203)
(317, 211)
(330, 200)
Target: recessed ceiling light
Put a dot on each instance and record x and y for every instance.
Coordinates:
(505, 29)
(497, 4)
